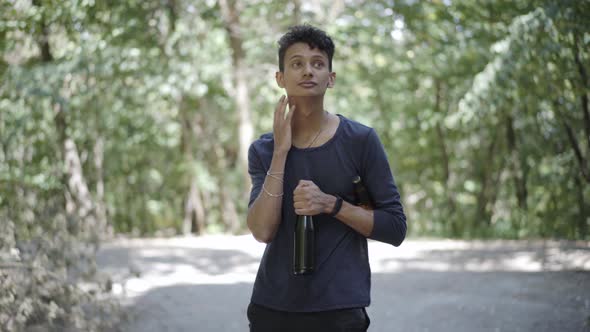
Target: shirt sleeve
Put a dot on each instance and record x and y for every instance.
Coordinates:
(257, 173)
(389, 218)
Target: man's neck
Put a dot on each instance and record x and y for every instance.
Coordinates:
(309, 116)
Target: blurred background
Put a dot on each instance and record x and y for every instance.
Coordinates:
(134, 118)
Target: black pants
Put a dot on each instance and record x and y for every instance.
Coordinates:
(263, 319)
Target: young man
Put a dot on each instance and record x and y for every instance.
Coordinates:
(306, 167)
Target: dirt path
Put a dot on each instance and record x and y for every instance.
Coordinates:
(204, 284)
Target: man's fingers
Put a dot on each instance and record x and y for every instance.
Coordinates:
(299, 189)
(301, 212)
(282, 107)
(290, 114)
(278, 110)
(300, 185)
(306, 212)
(301, 209)
(299, 205)
(298, 194)
(280, 103)
(305, 183)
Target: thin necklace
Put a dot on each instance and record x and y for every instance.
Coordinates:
(317, 135)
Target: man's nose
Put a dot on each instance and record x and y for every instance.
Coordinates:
(308, 70)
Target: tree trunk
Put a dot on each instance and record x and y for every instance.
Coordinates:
(582, 226)
(446, 162)
(76, 181)
(441, 136)
(229, 211)
(584, 91)
(484, 196)
(571, 135)
(101, 213)
(335, 11)
(296, 12)
(194, 211)
(230, 12)
(79, 202)
(518, 165)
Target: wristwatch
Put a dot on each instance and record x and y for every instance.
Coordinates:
(337, 206)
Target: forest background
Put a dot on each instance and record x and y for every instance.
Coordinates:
(135, 117)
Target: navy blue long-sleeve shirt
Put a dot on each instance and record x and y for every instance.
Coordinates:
(342, 276)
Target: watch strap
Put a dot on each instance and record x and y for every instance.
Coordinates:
(337, 206)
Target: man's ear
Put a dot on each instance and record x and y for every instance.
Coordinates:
(331, 79)
(280, 77)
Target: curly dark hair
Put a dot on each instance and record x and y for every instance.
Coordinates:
(311, 35)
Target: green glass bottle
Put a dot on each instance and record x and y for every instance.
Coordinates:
(304, 246)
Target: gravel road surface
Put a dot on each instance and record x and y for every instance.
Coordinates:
(204, 284)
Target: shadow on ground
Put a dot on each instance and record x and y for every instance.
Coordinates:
(407, 301)
(412, 290)
(421, 300)
(118, 261)
(191, 308)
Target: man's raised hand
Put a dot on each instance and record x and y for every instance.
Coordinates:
(282, 126)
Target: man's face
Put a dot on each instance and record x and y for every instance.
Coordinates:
(306, 72)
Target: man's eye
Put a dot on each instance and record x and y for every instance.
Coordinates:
(318, 64)
(296, 64)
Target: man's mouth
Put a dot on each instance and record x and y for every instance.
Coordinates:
(307, 84)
